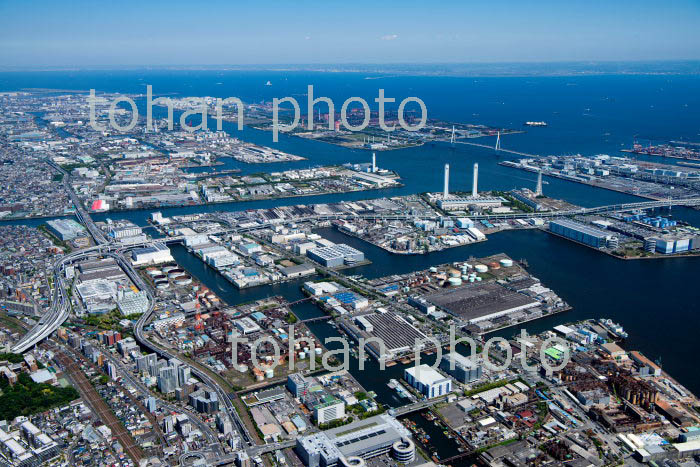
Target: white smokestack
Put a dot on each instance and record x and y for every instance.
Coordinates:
(374, 162)
(475, 181)
(446, 189)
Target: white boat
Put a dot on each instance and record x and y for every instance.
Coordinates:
(268, 83)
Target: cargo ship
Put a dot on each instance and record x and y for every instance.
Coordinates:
(396, 386)
(614, 329)
(535, 123)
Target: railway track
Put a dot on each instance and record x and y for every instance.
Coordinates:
(99, 407)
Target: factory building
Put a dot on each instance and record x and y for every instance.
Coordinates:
(246, 325)
(130, 302)
(349, 444)
(427, 381)
(465, 370)
(583, 233)
(336, 255)
(66, 229)
(528, 198)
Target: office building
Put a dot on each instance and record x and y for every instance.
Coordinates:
(167, 379)
(183, 375)
(151, 404)
(147, 364)
(297, 384)
(204, 400)
(327, 409)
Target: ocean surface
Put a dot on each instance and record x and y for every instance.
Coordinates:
(655, 300)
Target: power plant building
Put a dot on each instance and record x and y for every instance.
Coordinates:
(461, 203)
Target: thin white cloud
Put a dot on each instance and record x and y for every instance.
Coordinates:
(389, 37)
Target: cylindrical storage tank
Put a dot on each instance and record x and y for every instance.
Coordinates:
(153, 272)
(269, 373)
(454, 273)
(506, 262)
(183, 280)
(318, 350)
(433, 269)
(455, 281)
(465, 277)
(242, 368)
(302, 355)
(481, 268)
(159, 277)
(167, 269)
(494, 265)
(404, 451)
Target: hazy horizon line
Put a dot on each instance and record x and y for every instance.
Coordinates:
(514, 68)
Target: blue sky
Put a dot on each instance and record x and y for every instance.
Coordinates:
(96, 33)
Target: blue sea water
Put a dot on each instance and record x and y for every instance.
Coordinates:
(655, 300)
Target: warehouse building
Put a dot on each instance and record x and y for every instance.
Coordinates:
(465, 369)
(156, 254)
(66, 229)
(336, 255)
(394, 331)
(583, 233)
(481, 301)
(363, 439)
(298, 270)
(427, 381)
